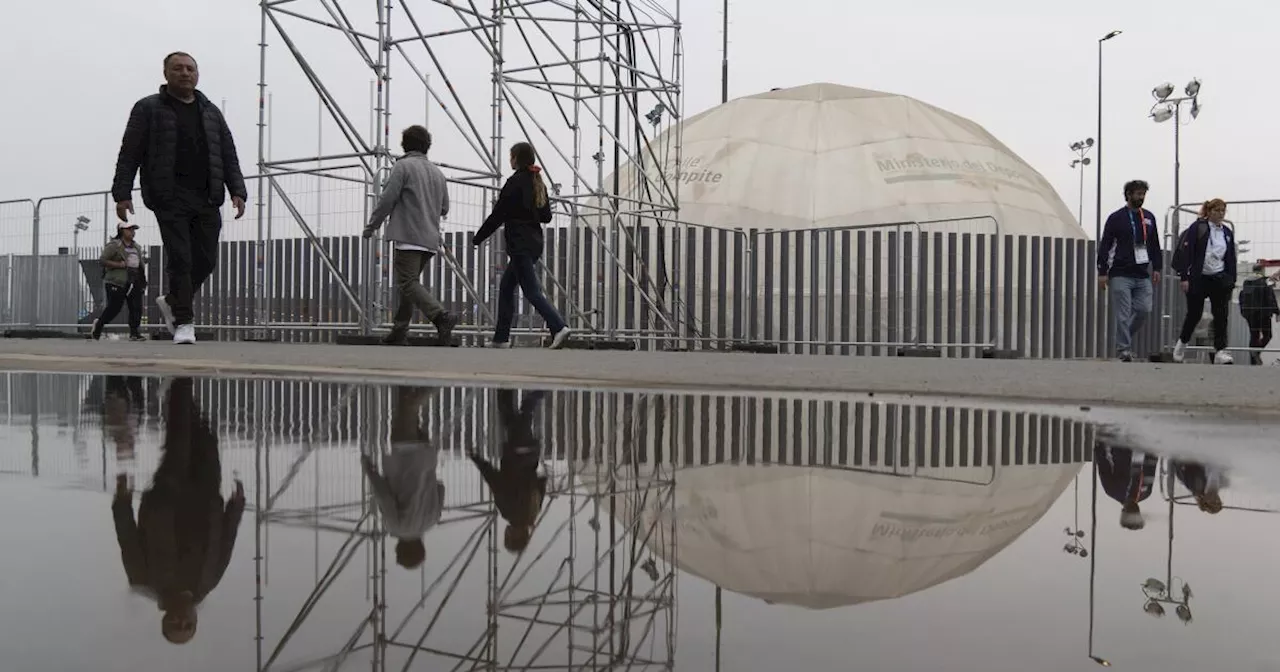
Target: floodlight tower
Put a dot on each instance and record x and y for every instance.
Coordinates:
(1164, 109)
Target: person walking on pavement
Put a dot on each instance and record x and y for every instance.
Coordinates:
(1258, 307)
(415, 197)
(408, 493)
(184, 149)
(1206, 265)
(124, 276)
(523, 206)
(1129, 263)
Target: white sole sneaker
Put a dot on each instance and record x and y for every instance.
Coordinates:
(561, 336)
(185, 335)
(1179, 352)
(166, 313)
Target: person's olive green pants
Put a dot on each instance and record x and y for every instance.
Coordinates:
(407, 274)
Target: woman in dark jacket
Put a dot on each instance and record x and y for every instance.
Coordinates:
(522, 208)
(1206, 264)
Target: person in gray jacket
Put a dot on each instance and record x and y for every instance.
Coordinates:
(414, 198)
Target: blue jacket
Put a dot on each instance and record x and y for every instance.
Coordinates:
(1120, 237)
(1196, 242)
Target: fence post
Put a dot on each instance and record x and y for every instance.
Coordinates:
(35, 261)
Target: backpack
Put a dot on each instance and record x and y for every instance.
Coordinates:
(1182, 252)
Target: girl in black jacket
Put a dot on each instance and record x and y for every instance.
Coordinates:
(522, 208)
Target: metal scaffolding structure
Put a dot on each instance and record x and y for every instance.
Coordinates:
(587, 595)
(594, 84)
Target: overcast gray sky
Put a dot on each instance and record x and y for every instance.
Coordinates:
(1025, 70)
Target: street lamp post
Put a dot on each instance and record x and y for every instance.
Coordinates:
(1097, 229)
(1164, 109)
(1081, 148)
(82, 224)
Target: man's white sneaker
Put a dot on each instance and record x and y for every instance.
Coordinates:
(561, 336)
(167, 314)
(1179, 352)
(185, 334)
(1223, 357)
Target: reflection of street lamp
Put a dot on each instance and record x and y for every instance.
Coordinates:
(1164, 109)
(1075, 546)
(1158, 594)
(82, 224)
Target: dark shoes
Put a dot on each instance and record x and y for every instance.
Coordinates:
(444, 327)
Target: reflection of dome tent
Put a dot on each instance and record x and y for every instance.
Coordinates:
(824, 155)
(828, 537)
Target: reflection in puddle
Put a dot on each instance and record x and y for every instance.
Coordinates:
(471, 528)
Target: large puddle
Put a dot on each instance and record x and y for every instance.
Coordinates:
(457, 528)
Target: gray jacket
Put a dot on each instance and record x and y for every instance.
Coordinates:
(415, 197)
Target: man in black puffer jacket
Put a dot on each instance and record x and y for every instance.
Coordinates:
(188, 159)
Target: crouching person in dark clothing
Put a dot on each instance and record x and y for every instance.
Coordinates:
(182, 145)
(124, 277)
(179, 547)
(522, 208)
(518, 489)
(1258, 307)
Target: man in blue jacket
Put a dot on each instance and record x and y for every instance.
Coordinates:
(1129, 263)
(182, 144)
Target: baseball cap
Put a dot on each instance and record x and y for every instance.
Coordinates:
(121, 226)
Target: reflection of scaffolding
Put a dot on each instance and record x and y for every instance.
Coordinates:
(586, 596)
(593, 83)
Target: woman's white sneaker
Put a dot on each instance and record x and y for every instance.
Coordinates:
(1223, 357)
(1179, 352)
(561, 336)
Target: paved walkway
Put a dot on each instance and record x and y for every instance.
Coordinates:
(1073, 382)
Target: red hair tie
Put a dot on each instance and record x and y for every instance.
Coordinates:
(535, 169)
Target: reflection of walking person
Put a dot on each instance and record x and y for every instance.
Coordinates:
(124, 276)
(415, 197)
(179, 547)
(183, 146)
(1127, 476)
(1129, 263)
(1206, 264)
(1204, 482)
(1258, 307)
(522, 208)
(518, 489)
(408, 493)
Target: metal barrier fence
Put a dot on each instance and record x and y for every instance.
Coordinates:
(960, 286)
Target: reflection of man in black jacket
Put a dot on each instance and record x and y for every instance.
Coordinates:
(179, 548)
(1127, 476)
(518, 489)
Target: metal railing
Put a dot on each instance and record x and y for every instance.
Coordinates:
(961, 286)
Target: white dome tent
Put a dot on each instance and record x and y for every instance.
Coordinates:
(803, 168)
(825, 155)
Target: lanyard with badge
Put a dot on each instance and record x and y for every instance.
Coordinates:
(1140, 255)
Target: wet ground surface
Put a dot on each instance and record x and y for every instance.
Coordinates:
(718, 531)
